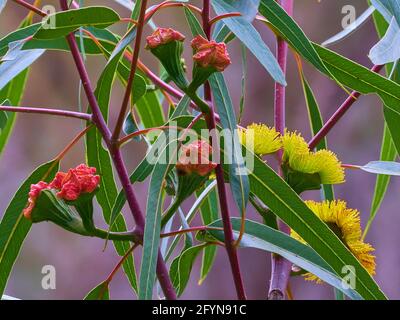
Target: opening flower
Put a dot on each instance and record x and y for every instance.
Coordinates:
(70, 186)
(324, 162)
(263, 139)
(345, 223)
(210, 54)
(195, 158)
(162, 36)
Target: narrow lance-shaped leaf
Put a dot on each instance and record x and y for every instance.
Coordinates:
(268, 239)
(60, 24)
(100, 292)
(250, 37)
(151, 236)
(14, 227)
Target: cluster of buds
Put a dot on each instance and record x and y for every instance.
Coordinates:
(195, 158)
(68, 186)
(209, 56)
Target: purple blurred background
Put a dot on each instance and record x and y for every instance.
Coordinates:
(80, 262)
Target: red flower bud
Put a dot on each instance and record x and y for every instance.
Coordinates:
(210, 54)
(163, 36)
(71, 185)
(195, 158)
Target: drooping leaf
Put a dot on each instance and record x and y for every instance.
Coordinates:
(100, 292)
(13, 226)
(151, 236)
(185, 265)
(268, 239)
(60, 24)
(387, 49)
(11, 68)
(388, 153)
(209, 213)
(355, 25)
(249, 36)
(239, 181)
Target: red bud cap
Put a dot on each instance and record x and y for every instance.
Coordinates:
(163, 36)
(195, 158)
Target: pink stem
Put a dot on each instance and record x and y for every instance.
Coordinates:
(55, 112)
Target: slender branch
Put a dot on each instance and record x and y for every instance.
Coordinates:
(78, 137)
(134, 63)
(193, 229)
(280, 272)
(224, 16)
(98, 119)
(54, 112)
(31, 7)
(222, 194)
(120, 263)
(341, 111)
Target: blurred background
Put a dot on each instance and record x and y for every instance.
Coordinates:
(80, 262)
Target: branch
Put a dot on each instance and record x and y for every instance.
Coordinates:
(281, 267)
(116, 155)
(31, 7)
(338, 114)
(135, 58)
(54, 112)
(222, 194)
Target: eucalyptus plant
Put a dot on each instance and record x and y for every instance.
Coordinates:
(197, 148)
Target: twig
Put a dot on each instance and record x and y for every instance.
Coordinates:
(54, 112)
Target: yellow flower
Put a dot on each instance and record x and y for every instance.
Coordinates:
(324, 162)
(264, 140)
(345, 223)
(293, 144)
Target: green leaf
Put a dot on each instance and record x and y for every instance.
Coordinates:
(100, 292)
(388, 153)
(150, 110)
(194, 24)
(13, 226)
(249, 36)
(365, 81)
(62, 23)
(100, 158)
(185, 265)
(239, 180)
(292, 33)
(268, 239)
(151, 236)
(209, 213)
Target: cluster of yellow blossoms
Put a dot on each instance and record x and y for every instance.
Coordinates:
(345, 223)
(296, 156)
(265, 140)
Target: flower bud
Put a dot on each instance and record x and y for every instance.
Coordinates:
(209, 57)
(195, 158)
(167, 45)
(75, 188)
(49, 207)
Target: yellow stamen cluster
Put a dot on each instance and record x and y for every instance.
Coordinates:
(262, 139)
(345, 222)
(299, 158)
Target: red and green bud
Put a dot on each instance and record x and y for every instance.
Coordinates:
(209, 57)
(196, 158)
(167, 45)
